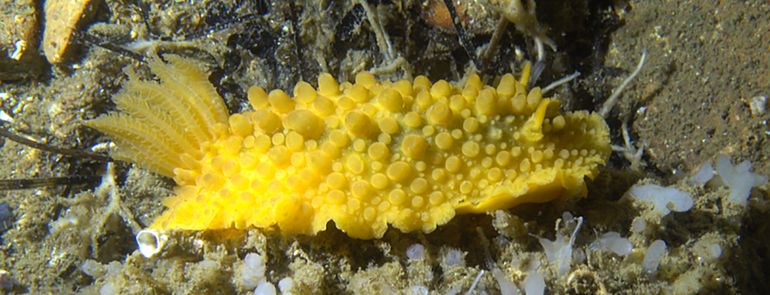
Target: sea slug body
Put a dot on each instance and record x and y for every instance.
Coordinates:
(364, 155)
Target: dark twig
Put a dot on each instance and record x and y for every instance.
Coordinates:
(90, 39)
(49, 148)
(502, 24)
(27, 183)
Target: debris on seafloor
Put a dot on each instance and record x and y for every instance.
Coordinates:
(63, 19)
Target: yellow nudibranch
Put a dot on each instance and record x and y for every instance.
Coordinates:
(411, 154)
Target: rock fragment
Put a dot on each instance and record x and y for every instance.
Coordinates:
(63, 20)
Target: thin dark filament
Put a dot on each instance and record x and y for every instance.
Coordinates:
(49, 148)
(28, 183)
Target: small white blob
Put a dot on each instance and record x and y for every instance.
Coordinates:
(758, 105)
(454, 258)
(663, 199)
(418, 290)
(534, 284)
(638, 225)
(707, 250)
(703, 175)
(612, 242)
(93, 268)
(653, 256)
(714, 251)
(286, 285)
(507, 287)
(108, 289)
(252, 270)
(415, 252)
(738, 178)
(265, 288)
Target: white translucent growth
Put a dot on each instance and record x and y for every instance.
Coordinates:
(454, 257)
(653, 256)
(707, 250)
(150, 242)
(578, 256)
(93, 268)
(415, 252)
(418, 290)
(703, 175)
(714, 252)
(113, 270)
(663, 199)
(612, 242)
(252, 271)
(286, 286)
(534, 284)
(507, 287)
(758, 105)
(265, 288)
(108, 289)
(638, 225)
(738, 178)
(559, 251)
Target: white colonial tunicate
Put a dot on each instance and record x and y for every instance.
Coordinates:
(638, 225)
(265, 288)
(714, 251)
(415, 252)
(108, 289)
(612, 242)
(418, 290)
(758, 105)
(150, 242)
(113, 270)
(454, 258)
(507, 287)
(251, 272)
(663, 199)
(534, 284)
(559, 251)
(653, 256)
(703, 175)
(707, 250)
(738, 178)
(93, 268)
(286, 286)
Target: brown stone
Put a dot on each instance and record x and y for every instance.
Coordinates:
(63, 20)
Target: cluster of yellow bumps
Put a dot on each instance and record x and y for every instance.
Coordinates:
(367, 154)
